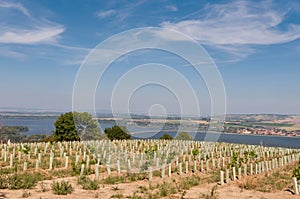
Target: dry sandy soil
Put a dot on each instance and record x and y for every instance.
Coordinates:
(228, 191)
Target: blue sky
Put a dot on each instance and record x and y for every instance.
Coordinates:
(255, 45)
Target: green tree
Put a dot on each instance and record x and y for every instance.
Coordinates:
(183, 136)
(75, 126)
(65, 129)
(166, 137)
(87, 128)
(117, 133)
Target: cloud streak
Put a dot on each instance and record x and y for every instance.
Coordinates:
(32, 31)
(105, 13)
(30, 36)
(238, 25)
(7, 52)
(17, 6)
(36, 38)
(172, 8)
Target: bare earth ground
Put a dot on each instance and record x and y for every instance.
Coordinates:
(228, 191)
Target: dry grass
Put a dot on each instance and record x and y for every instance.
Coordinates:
(276, 181)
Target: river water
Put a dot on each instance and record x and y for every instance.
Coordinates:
(45, 126)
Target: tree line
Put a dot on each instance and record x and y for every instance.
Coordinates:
(75, 126)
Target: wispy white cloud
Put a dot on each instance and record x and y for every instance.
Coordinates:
(121, 11)
(30, 36)
(106, 13)
(7, 52)
(237, 26)
(172, 8)
(35, 36)
(17, 6)
(32, 31)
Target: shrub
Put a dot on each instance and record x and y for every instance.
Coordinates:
(62, 188)
(23, 181)
(166, 137)
(4, 184)
(117, 133)
(183, 136)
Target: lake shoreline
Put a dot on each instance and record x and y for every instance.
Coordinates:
(45, 126)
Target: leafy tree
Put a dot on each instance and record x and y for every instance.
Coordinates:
(75, 126)
(65, 129)
(117, 133)
(166, 137)
(86, 126)
(183, 136)
(12, 133)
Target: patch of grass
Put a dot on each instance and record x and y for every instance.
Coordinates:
(153, 196)
(248, 184)
(166, 189)
(156, 173)
(214, 176)
(268, 182)
(122, 179)
(187, 183)
(135, 196)
(212, 194)
(62, 188)
(24, 181)
(87, 183)
(4, 184)
(296, 173)
(117, 196)
(75, 168)
(61, 173)
(113, 180)
(135, 177)
(115, 188)
(43, 187)
(4, 171)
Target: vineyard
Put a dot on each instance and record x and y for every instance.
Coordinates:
(144, 169)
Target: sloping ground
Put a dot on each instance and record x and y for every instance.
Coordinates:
(295, 120)
(232, 191)
(245, 188)
(126, 190)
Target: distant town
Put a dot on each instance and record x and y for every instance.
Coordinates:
(263, 131)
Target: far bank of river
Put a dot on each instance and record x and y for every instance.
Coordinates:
(45, 126)
(265, 140)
